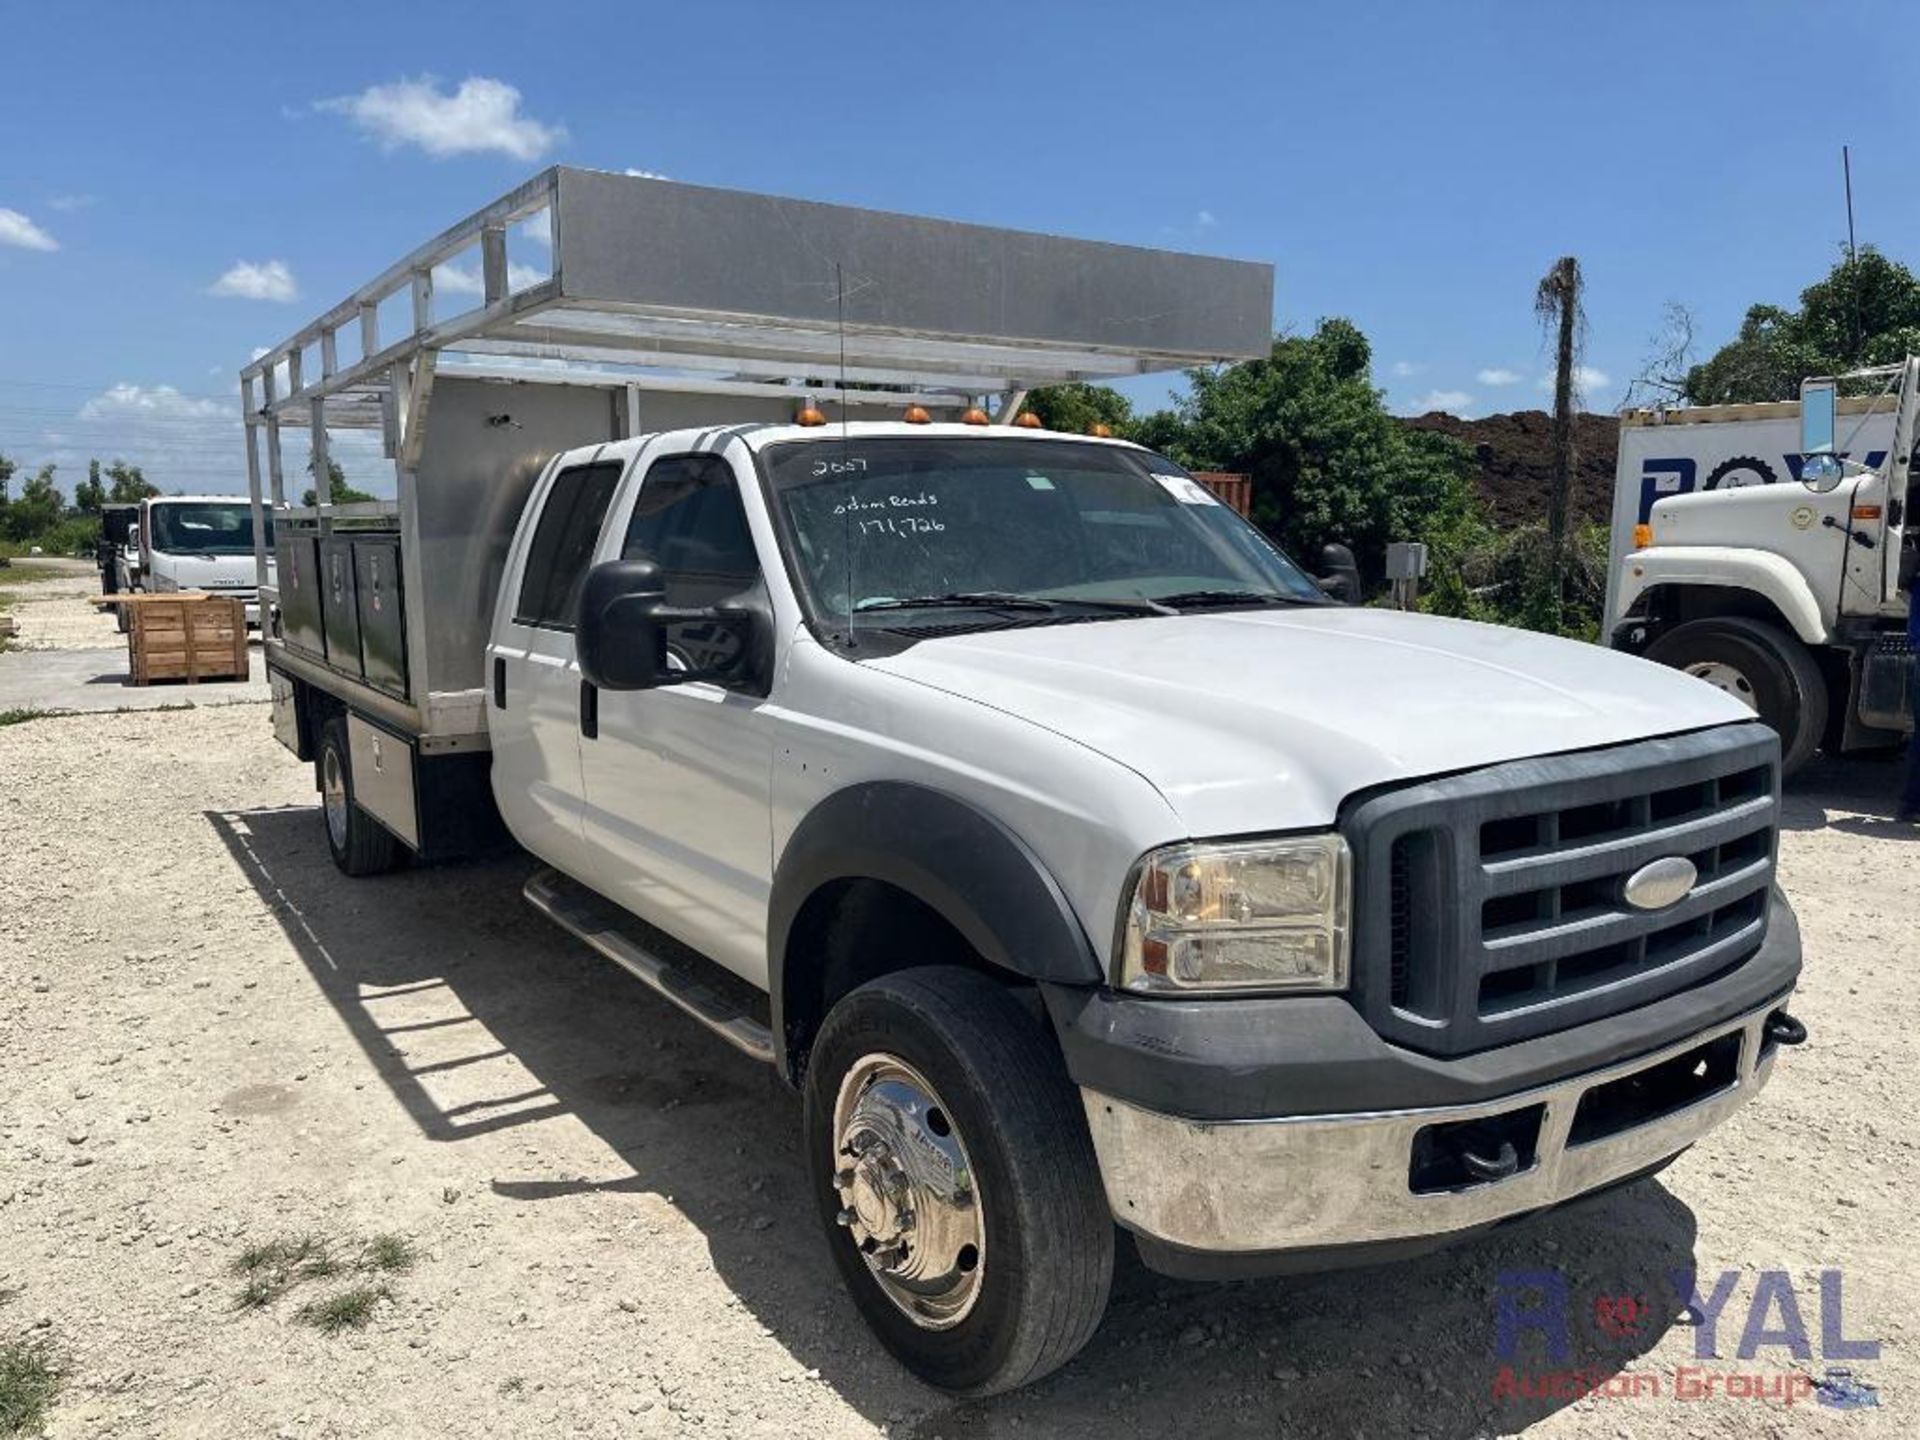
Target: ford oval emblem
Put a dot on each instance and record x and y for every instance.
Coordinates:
(1661, 883)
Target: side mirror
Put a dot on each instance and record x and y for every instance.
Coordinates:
(1817, 424)
(1821, 471)
(1342, 577)
(618, 632)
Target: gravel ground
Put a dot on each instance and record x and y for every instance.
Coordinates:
(213, 1041)
(53, 613)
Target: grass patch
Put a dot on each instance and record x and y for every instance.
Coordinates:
(29, 572)
(21, 714)
(270, 1269)
(389, 1254)
(349, 1309)
(29, 1379)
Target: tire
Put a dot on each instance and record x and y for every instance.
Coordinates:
(991, 1075)
(1760, 664)
(359, 844)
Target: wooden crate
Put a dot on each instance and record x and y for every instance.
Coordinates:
(185, 637)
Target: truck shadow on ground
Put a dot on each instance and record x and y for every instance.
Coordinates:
(1411, 1348)
(1857, 794)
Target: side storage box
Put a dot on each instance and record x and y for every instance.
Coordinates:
(297, 566)
(339, 605)
(383, 616)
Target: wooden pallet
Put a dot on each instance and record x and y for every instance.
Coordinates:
(183, 636)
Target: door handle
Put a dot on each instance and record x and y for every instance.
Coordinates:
(499, 683)
(589, 710)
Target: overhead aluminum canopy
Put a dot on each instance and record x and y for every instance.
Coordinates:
(757, 292)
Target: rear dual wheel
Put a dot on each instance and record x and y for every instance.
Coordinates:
(359, 844)
(955, 1179)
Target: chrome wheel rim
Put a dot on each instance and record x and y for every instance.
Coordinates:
(333, 790)
(1723, 676)
(907, 1196)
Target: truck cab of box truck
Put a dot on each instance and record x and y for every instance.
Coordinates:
(201, 542)
(1769, 557)
(1095, 867)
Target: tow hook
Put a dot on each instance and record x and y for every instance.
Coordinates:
(1783, 1029)
(1488, 1157)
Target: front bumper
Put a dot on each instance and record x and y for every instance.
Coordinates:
(1323, 1182)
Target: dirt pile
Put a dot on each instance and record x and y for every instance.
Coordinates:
(1513, 459)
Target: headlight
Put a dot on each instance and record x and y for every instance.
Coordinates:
(1259, 915)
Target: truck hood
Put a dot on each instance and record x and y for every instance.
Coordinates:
(1249, 721)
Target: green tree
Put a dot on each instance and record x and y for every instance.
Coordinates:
(126, 485)
(338, 490)
(1078, 408)
(90, 494)
(37, 509)
(1328, 462)
(1865, 312)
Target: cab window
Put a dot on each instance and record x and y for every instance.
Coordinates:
(563, 545)
(689, 521)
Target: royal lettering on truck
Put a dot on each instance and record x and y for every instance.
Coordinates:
(1094, 877)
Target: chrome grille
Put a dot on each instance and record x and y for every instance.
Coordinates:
(1489, 905)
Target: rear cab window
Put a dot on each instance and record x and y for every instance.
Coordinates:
(563, 543)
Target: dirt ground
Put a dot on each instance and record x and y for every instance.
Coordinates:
(213, 1041)
(51, 607)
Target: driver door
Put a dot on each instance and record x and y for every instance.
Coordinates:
(678, 778)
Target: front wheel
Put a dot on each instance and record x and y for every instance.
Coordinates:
(1760, 665)
(956, 1181)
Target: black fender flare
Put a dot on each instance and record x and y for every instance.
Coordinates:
(956, 859)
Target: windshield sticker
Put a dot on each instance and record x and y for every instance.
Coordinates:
(1186, 491)
(1039, 482)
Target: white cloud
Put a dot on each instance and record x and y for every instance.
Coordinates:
(456, 279)
(1586, 379)
(1453, 401)
(158, 401)
(1204, 220)
(68, 203)
(646, 174)
(269, 280)
(1404, 368)
(16, 229)
(184, 442)
(482, 115)
(1498, 375)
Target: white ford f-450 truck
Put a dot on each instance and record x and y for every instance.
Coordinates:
(1074, 856)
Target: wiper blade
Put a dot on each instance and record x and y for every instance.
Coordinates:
(1139, 605)
(1186, 598)
(983, 599)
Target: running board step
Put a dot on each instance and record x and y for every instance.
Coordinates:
(598, 922)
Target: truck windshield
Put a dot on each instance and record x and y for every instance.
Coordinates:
(945, 531)
(205, 528)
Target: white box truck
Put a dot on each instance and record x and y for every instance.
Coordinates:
(1087, 870)
(1785, 589)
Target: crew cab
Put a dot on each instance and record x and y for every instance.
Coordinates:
(1094, 877)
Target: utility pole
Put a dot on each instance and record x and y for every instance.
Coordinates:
(1853, 254)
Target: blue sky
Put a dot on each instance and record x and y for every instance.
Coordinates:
(182, 183)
